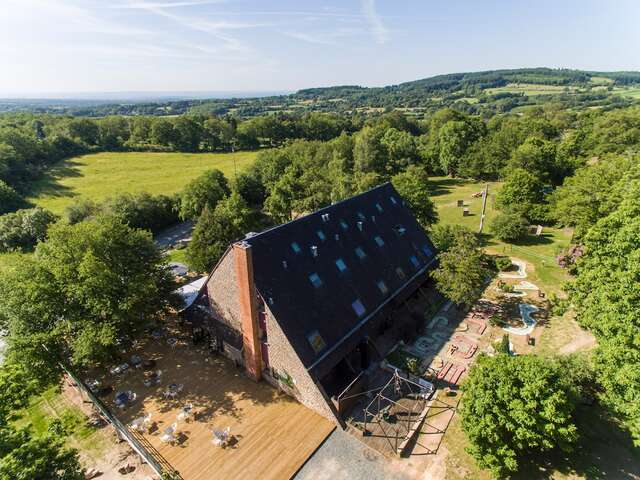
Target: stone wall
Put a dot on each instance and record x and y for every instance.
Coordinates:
(284, 361)
(222, 289)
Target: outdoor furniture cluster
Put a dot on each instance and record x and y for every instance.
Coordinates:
(173, 390)
(221, 438)
(152, 378)
(124, 399)
(169, 433)
(141, 424)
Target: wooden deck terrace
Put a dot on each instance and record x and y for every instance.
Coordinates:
(274, 434)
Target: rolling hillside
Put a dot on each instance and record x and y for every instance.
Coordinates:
(485, 93)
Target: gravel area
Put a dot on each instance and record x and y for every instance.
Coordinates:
(342, 456)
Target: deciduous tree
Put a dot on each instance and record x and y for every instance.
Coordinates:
(515, 408)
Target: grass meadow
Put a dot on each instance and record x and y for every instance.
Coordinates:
(538, 251)
(100, 175)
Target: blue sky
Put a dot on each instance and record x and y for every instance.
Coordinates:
(236, 45)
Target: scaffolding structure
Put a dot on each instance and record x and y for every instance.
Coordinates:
(391, 419)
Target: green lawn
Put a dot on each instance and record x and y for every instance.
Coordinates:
(539, 251)
(100, 175)
(52, 405)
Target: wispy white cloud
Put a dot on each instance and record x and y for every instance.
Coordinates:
(375, 21)
(145, 5)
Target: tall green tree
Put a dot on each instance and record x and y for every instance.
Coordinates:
(206, 190)
(523, 194)
(229, 221)
(509, 227)
(87, 286)
(461, 272)
(516, 407)
(606, 295)
(413, 185)
(24, 228)
(10, 201)
(445, 236)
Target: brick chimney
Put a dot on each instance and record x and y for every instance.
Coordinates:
(248, 309)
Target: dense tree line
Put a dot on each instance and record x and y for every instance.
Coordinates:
(30, 144)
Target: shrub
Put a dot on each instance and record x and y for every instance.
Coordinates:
(503, 263)
(509, 227)
(558, 305)
(10, 201)
(504, 344)
(21, 230)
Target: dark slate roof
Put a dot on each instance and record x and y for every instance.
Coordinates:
(284, 264)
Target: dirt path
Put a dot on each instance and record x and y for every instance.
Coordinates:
(583, 341)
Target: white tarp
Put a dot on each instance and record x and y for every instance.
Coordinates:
(189, 292)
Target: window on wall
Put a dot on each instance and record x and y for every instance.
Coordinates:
(316, 341)
(379, 240)
(344, 225)
(393, 200)
(321, 235)
(341, 265)
(400, 273)
(295, 247)
(382, 287)
(414, 261)
(360, 253)
(427, 251)
(361, 216)
(379, 207)
(358, 307)
(315, 280)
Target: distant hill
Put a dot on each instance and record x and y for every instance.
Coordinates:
(484, 93)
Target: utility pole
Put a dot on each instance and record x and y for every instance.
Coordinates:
(484, 206)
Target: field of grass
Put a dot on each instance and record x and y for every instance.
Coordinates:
(628, 92)
(538, 251)
(529, 89)
(52, 405)
(100, 175)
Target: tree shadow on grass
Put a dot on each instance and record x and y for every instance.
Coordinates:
(528, 240)
(604, 450)
(49, 184)
(444, 186)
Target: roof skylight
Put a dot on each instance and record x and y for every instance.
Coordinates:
(358, 307)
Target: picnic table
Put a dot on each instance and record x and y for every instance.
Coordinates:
(152, 378)
(136, 361)
(117, 370)
(92, 384)
(173, 390)
(221, 437)
(186, 412)
(122, 399)
(156, 334)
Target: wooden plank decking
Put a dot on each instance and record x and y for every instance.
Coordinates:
(275, 434)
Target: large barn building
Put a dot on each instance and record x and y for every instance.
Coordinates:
(312, 304)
